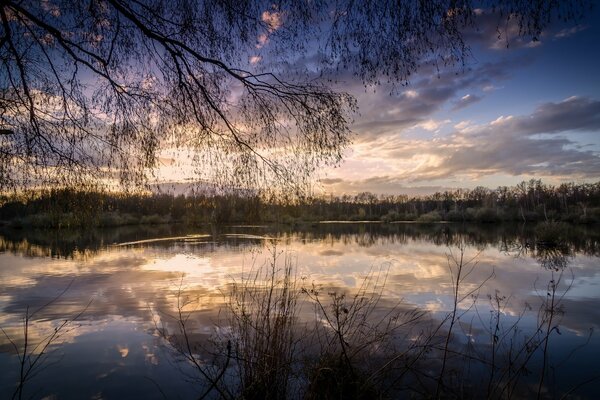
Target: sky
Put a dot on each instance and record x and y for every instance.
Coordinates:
(529, 110)
(517, 109)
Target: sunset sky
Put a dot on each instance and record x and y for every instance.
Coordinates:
(516, 107)
(531, 110)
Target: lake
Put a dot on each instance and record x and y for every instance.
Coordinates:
(105, 308)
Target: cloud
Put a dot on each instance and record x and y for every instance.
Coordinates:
(411, 94)
(573, 113)
(273, 19)
(534, 43)
(546, 143)
(537, 144)
(378, 184)
(463, 125)
(466, 101)
(492, 31)
(567, 32)
(404, 133)
(489, 88)
(261, 40)
(330, 181)
(386, 112)
(432, 125)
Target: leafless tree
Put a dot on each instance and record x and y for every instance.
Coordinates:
(97, 90)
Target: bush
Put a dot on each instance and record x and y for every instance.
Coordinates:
(570, 217)
(486, 215)
(432, 216)
(16, 223)
(470, 214)
(592, 216)
(410, 217)
(390, 216)
(530, 216)
(116, 219)
(454, 215)
(360, 216)
(39, 221)
(153, 219)
(587, 219)
(332, 378)
(108, 219)
(287, 219)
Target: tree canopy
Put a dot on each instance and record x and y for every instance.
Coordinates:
(95, 91)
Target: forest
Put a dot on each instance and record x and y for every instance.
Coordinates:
(528, 201)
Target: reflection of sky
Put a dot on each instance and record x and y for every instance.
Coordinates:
(417, 270)
(129, 286)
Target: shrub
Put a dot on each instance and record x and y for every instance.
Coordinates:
(432, 216)
(486, 215)
(39, 221)
(390, 216)
(587, 219)
(530, 216)
(153, 219)
(262, 311)
(470, 214)
(108, 219)
(333, 378)
(116, 219)
(16, 223)
(454, 215)
(287, 219)
(591, 216)
(410, 217)
(360, 216)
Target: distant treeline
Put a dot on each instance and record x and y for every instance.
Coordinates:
(527, 201)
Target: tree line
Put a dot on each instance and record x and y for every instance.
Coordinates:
(529, 201)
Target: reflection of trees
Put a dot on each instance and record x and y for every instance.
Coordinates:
(555, 258)
(552, 255)
(74, 243)
(23, 247)
(508, 238)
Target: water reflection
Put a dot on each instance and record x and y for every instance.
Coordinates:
(505, 237)
(555, 258)
(135, 286)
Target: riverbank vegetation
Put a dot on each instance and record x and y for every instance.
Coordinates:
(526, 202)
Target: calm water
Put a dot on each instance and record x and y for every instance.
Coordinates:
(121, 284)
